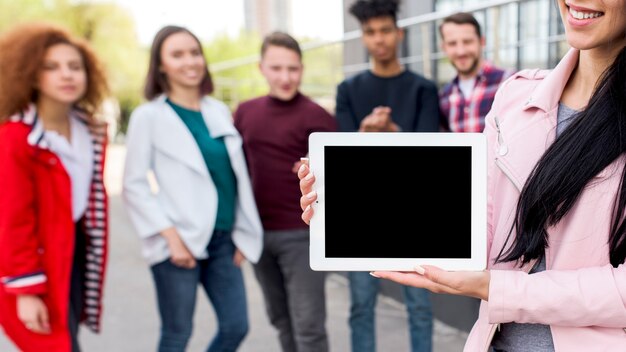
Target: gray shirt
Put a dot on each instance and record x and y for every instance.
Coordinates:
(514, 337)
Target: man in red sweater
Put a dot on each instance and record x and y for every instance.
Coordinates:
(275, 130)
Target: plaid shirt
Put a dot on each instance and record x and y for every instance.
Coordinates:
(459, 114)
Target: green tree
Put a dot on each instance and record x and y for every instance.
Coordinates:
(109, 29)
(234, 66)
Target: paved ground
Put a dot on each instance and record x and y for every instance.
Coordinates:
(131, 321)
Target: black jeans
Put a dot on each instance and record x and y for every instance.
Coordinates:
(77, 283)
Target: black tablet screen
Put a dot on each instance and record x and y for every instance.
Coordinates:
(398, 201)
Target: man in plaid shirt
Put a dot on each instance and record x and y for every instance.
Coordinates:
(465, 101)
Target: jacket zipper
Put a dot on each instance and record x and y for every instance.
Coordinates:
(492, 333)
(503, 150)
(506, 172)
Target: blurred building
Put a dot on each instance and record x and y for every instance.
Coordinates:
(264, 16)
(519, 34)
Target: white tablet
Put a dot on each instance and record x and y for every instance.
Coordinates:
(391, 201)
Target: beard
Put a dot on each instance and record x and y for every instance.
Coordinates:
(472, 67)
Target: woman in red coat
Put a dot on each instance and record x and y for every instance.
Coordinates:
(53, 205)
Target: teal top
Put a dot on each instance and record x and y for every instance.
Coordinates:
(217, 162)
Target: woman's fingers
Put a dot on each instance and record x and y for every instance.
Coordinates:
(465, 283)
(43, 323)
(303, 170)
(306, 179)
(306, 188)
(238, 258)
(307, 199)
(306, 184)
(189, 263)
(305, 203)
(35, 326)
(44, 320)
(415, 280)
(307, 214)
(185, 261)
(404, 278)
(34, 314)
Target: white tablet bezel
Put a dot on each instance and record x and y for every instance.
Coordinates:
(478, 144)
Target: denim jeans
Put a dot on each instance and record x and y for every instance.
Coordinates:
(363, 292)
(223, 283)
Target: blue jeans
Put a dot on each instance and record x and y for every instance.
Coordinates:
(223, 283)
(363, 292)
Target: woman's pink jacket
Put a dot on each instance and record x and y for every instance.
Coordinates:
(580, 295)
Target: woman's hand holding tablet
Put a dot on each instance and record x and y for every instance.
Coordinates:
(391, 202)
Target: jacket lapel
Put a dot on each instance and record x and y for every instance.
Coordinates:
(176, 140)
(529, 135)
(218, 122)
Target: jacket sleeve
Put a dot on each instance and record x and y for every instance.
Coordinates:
(593, 296)
(428, 109)
(344, 112)
(491, 135)
(20, 262)
(142, 205)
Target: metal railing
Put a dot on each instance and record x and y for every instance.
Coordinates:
(519, 34)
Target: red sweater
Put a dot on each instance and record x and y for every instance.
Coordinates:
(37, 233)
(275, 136)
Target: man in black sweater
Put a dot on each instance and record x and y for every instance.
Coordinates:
(386, 98)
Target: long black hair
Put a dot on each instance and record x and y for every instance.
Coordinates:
(594, 140)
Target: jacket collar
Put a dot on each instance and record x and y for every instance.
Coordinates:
(180, 143)
(217, 126)
(548, 92)
(30, 117)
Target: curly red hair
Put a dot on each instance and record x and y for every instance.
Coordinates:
(22, 52)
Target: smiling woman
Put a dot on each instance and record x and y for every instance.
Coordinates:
(203, 222)
(556, 278)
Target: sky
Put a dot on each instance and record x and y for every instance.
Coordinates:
(207, 18)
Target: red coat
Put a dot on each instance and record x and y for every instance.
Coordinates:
(37, 232)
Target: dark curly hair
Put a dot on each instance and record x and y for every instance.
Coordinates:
(365, 10)
(22, 52)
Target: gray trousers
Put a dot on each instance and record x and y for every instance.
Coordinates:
(294, 294)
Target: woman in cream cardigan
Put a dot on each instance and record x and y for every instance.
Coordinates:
(201, 221)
